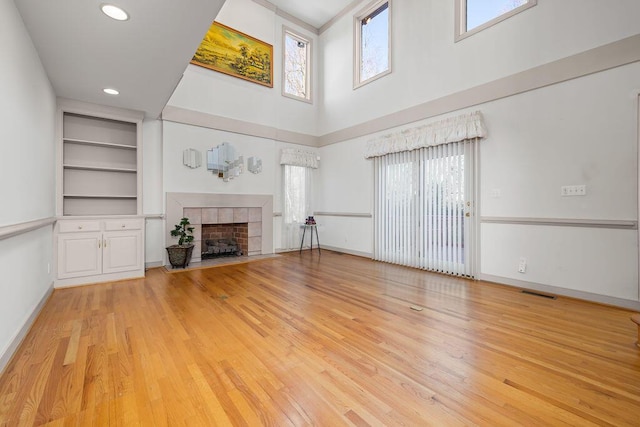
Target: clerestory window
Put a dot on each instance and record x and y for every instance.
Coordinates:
(372, 43)
(296, 79)
(473, 16)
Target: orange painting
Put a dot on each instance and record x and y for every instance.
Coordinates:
(231, 52)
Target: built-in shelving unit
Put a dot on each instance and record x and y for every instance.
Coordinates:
(99, 229)
(99, 163)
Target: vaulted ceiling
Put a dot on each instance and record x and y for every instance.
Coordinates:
(83, 51)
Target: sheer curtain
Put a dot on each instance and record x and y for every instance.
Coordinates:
(424, 208)
(297, 173)
(297, 203)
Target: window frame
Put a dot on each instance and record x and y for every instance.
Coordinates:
(307, 40)
(461, 32)
(357, 42)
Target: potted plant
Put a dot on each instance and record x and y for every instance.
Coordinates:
(180, 254)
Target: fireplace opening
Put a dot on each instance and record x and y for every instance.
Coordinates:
(220, 240)
(220, 247)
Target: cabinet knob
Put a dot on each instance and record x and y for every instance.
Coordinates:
(124, 225)
(79, 227)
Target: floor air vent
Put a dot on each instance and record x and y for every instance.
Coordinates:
(539, 295)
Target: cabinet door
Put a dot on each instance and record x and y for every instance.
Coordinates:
(79, 254)
(122, 251)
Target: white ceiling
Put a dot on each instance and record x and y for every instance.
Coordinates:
(314, 12)
(83, 51)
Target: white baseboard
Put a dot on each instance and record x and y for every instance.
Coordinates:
(17, 339)
(347, 251)
(329, 248)
(155, 264)
(587, 296)
(100, 278)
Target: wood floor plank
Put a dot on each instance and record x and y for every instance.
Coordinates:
(304, 339)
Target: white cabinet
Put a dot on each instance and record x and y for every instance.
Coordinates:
(121, 251)
(99, 233)
(98, 250)
(81, 255)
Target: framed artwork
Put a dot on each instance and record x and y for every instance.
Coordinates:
(231, 52)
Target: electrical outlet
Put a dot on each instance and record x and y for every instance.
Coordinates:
(522, 265)
(573, 190)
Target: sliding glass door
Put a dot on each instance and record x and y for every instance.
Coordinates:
(424, 208)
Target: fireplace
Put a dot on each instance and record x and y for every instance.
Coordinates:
(220, 240)
(204, 209)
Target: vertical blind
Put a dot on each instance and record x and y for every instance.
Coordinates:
(424, 203)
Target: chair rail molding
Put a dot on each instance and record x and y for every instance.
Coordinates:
(13, 230)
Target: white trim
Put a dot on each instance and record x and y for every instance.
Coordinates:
(347, 251)
(266, 4)
(297, 21)
(154, 264)
(602, 58)
(153, 216)
(357, 43)
(563, 222)
(7, 231)
(210, 121)
(339, 16)
(461, 19)
(9, 351)
(616, 54)
(344, 214)
(100, 278)
(309, 66)
(586, 296)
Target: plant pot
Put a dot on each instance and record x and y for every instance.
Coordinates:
(180, 256)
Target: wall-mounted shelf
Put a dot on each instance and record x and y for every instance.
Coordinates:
(97, 196)
(99, 144)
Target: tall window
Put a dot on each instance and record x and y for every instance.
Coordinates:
(296, 79)
(297, 173)
(373, 43)
(473, 16)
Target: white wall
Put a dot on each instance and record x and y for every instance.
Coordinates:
(152, 192)
(582, 131)
(215, 93)
(179, 178)
(27, 153)
(218, 94)
(427, 64)
(345, 186)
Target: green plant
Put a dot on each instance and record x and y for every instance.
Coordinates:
(183, 231)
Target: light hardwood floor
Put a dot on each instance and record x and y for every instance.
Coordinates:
(323, 340)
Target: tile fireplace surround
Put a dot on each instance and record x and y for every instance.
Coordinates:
(204, 208)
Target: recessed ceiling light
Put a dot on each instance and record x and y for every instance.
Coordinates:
(114, 12)
(110, 91)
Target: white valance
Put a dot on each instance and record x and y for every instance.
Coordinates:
(453, 129)
(297, 157)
